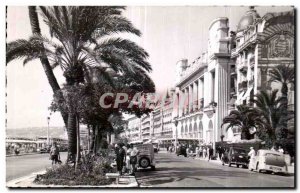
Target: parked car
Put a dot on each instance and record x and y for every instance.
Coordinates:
(236, 156)
(44, 150)
(181, 150)
(269, 161)
(146, 156)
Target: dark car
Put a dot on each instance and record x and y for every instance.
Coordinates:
(236, 156)
(45, 150)
(181, 151)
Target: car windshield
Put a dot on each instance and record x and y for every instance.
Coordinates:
(239, 151)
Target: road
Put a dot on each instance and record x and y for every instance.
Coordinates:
(173, 171)
(19, 166)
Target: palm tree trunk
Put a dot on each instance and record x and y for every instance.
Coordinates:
(35, 28)
(78, 143)
(72, 136)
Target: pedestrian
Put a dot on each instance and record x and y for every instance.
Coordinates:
(16, 150)
(204, 152)
(273, 148)
(120, 157)
(210, 153)
(54, 153)
(252, 158)
(133, 160)
(280, 149)
(200, 151)
(221, 152)
(128, 166)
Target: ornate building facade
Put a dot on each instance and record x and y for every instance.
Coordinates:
(231, 72)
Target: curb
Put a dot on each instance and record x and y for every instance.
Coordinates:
(27, 182)
(13, 155)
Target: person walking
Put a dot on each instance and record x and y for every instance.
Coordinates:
(204, 152)
(128, 165)
(133, 160)
(252, 158)
(54, 153)
(210, 153)
(221, 152)
(120, 157)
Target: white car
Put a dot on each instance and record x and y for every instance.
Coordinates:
(269, 162)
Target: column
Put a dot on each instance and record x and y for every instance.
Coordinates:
(190, 97)
(200, 91)
(187, 94)
(195, 98)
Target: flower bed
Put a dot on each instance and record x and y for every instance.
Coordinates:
(91, 171)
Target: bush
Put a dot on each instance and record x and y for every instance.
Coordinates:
(91, 171)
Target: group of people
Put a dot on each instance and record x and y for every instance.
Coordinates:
(126, 158)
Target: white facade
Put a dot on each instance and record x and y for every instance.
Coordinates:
(205, 84)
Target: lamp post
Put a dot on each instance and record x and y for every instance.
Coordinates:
(48, 120)
(175, 123)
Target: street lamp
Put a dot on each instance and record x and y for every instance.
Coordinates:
(48, 120)
(175, 123)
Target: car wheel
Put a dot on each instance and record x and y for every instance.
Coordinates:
(237, 165)
(144, 162)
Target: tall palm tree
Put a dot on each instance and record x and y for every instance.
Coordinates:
(81, 42)
(245, 118)
(35, 28)
(272, 108)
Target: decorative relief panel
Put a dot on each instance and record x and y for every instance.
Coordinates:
(279, 46)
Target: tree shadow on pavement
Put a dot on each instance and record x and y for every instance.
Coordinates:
(166, 175)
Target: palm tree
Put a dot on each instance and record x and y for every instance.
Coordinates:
(272, 108)
(285, 75)
(81, 42)
(12, 51)
(245, 118)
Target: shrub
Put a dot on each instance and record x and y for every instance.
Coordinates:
(91, 171)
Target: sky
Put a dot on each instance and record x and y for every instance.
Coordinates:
(168, 35)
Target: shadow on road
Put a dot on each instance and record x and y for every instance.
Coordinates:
(166, 174)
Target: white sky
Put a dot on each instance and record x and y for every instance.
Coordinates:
(169, 34)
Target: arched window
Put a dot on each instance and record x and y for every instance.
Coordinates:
(209, 135)
(195, 130)
(201, 130)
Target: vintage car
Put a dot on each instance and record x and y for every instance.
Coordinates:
(146, 156)
(236, 156)
(181, 150)
(269, 161)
